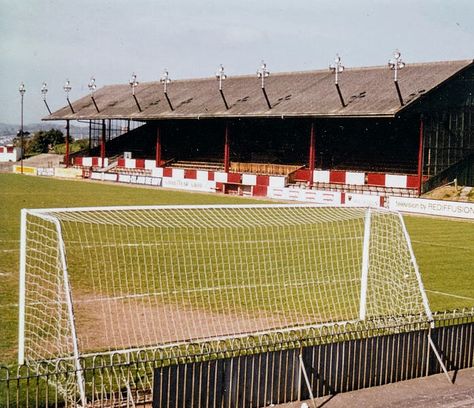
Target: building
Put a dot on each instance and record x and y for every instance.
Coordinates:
(366, 131)
(10, 153)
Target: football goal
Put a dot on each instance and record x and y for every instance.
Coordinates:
(101, 280)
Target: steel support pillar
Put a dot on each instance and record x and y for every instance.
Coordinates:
(226, 148)
(66, 157)
(158, 147)
(420, 157)
(102, 144)
(312, 154)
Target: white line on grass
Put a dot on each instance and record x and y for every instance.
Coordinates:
(443, 245)
(450, 294)
(8, 305)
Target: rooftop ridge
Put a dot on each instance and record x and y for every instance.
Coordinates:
(312, 71)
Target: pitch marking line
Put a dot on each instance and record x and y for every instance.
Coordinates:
(443, 245)
(450, 294)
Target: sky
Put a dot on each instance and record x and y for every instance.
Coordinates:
(55, 40)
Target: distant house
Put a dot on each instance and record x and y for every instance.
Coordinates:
(9, 153)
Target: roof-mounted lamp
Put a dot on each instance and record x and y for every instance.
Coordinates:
(221, 76)
(165, 80)
(336, 69)
(133, 84)
(44, 91)
(263, 73)
(92, 87)
(395, 65)
(67, 88)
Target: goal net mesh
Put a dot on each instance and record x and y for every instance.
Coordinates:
(145, 277)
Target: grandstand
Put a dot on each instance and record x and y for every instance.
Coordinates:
(377, 136)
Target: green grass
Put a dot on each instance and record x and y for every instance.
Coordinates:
(444, 248)
(17, 192)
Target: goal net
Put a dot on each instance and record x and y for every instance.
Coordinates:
(97, 280)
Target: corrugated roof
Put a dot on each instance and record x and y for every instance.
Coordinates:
(367, 92)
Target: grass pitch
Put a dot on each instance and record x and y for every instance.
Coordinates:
(443, 248)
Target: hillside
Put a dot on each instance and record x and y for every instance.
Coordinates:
(9, 131)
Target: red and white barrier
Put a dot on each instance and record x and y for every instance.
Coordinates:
(361, 179)
(264, 185)
(90, 161)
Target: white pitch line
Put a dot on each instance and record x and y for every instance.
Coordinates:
(443, 245)
(450, 294)
(8, 305)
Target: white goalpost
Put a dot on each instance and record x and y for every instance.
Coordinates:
(112, 279)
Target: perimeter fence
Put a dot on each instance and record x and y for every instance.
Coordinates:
(253, 374)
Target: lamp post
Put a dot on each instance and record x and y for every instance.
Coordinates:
(67, 88)
(22, 91)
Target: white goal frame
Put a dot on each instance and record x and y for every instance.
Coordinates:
(46, 214)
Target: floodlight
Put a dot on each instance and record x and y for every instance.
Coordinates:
(44, 90)
(396, 64)
(220, 72)
(263, 73)
(92, 86)
(220, 76)
(133, 83)
(336, 67)
(165, 80)
(22, 89)
(165, 77)
(67, 87)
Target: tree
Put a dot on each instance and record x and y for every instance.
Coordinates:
(44, 141)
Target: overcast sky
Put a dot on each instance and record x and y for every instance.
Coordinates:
(55, 40)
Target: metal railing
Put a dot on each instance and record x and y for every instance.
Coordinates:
(251, 373)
